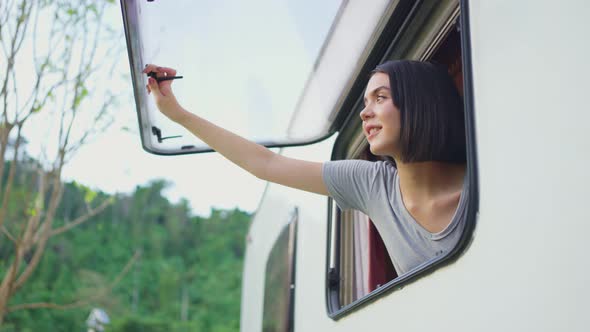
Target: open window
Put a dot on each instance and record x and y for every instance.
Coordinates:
(359, 268)
(274, 72)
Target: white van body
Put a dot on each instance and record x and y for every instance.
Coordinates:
(526, 267)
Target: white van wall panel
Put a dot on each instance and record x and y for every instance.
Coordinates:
(527, 268)
(273, 213)
(531, 71)
(310, 314)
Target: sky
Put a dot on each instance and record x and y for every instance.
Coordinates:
(115, 162)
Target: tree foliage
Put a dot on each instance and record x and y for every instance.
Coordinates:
(65, 248)
(188, 277)
(52, 51)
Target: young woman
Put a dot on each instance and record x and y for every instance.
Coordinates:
(413, 114)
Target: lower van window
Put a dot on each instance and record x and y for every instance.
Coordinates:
(279, 283)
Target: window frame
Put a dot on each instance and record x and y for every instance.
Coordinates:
(349, 143)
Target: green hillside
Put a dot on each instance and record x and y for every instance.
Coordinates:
(187, 277)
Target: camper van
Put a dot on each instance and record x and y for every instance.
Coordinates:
(298, 70)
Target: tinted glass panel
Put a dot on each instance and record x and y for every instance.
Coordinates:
(245, 63)
(279, 282)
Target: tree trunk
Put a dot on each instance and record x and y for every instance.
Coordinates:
(184, 303)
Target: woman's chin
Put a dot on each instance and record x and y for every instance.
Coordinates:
(375, 150)
(380, 150)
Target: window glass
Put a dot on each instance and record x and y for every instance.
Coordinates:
(279, 284)
(244, 64)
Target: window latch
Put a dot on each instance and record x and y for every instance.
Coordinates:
(158, 133)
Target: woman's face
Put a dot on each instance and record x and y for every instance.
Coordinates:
(381, 119)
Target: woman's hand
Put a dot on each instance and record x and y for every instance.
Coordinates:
(163, 96)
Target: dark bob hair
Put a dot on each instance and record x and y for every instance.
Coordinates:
(431, 111)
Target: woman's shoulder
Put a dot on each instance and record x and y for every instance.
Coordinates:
(362, 170)
(379, 165)
(387, 167)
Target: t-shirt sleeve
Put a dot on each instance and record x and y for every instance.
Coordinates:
(350, 182)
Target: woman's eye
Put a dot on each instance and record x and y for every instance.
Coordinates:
(380, 98)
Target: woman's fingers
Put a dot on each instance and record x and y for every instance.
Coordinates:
(167, 71)
(160, 71)
(154, 87)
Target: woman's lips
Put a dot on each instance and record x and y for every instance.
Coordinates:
(372, 132)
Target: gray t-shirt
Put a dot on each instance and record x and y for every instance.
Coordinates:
(373, 188)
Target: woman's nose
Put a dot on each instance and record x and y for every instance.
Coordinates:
(366, 113)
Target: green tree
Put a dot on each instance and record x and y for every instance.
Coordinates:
(187, 279)
(65, 60)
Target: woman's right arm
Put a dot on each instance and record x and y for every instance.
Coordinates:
(254, 158)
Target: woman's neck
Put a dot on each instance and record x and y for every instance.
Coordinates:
(431, 192)
(425, 180)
